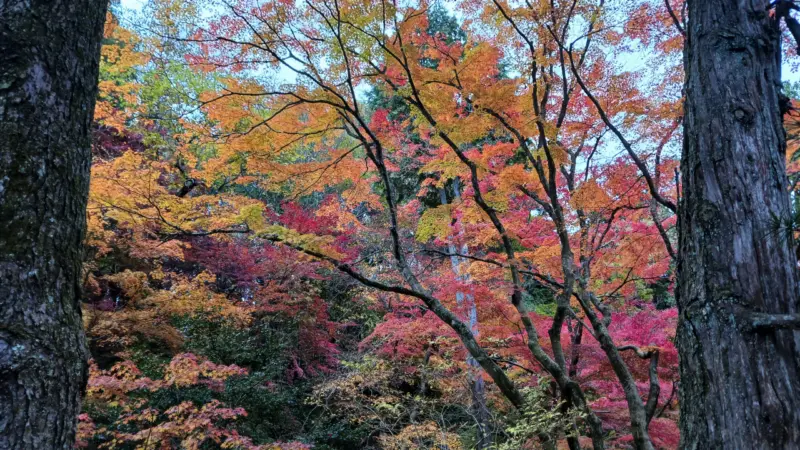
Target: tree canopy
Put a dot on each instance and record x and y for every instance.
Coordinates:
(368, 224)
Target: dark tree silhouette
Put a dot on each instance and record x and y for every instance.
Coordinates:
(49, 53)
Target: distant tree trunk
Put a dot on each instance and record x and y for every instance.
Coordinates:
(737, 276)
(49, 52)
(480, 409)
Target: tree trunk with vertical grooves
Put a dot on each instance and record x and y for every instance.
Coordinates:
(49, 53)
(740, 385)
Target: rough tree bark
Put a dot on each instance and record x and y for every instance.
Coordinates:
(740, 378)
(49, 53)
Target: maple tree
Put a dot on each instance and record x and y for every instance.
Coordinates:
(157, 284)
(348, 224)
(464, 120)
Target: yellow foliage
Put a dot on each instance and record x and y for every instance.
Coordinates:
(589, 197)
(513, 176)
(310, 242)
(497, 199)
(427, 435)
(448, 167)
(191, 298)
(133, 284)
(252, 215)
(112, 333)
(557, 152)
(130, 192)
(117, 95)
(144, 313)
(471, 213)
(434, 222)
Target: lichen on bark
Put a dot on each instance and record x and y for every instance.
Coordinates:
(49, 53)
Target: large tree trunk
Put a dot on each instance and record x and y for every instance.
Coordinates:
(49, 53)
(740, 374)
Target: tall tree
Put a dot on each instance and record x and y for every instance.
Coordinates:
(49, 53)
(738, 292)
(515, 131)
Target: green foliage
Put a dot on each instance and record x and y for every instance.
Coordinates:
(662, 297)
(349, 306)
(374, 402)
(273, 406)
(441, 21)
(262, 347)
(792, 89)
(541, 416)
(539, 299)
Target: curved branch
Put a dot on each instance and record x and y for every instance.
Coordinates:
(655, 386)
(625, 143)
(675, 19)
(502, 381)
